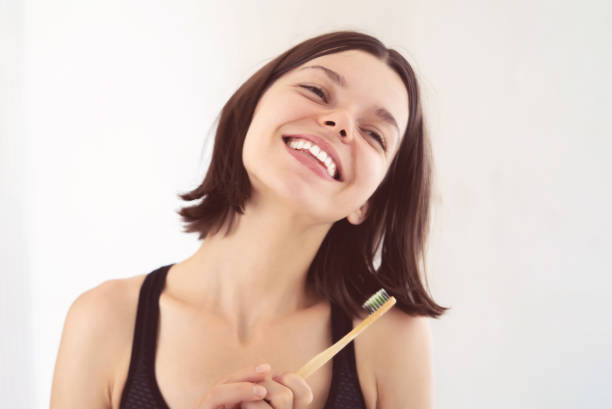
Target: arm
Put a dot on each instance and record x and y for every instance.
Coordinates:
(404, 373)
(82, 372)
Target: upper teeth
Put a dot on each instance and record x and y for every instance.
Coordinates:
(324, 157)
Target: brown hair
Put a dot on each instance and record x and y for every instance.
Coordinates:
(342, 270)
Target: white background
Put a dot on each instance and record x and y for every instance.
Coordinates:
(105, 106)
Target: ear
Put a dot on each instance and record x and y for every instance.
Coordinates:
(358, 216)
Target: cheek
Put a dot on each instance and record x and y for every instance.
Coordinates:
(283, 105)
(288, 110)
(371, 170)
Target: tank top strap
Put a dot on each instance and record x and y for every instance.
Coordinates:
(147, 319)
(141, 389)
(345, 390)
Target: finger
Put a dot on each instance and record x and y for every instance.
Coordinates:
(250, 373)
(302, 392)
(255, 405)
(279, 396)
(228, 394)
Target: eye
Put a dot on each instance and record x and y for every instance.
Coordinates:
(379, 138)
(317, 91)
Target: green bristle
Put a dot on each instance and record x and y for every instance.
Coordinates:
(376, 301)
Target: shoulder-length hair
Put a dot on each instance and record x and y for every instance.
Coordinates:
(342, 270)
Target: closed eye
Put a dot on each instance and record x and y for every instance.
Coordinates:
(316, 90)
(380, 139)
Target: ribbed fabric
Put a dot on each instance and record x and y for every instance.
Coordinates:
(141, 390)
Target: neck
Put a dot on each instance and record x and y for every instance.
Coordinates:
(256, 275)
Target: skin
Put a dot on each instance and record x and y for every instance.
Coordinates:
(292, 208)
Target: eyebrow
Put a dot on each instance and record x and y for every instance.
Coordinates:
(381, 112)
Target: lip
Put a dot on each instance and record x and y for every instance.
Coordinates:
(326, 146)
(314, 165)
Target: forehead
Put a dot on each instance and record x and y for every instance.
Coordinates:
(364, 77)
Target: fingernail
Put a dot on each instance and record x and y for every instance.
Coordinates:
(259, 390)
(262, 368)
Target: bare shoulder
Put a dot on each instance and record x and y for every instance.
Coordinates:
(403, 360)
(97, 325)
(116, 299)
(110, 306)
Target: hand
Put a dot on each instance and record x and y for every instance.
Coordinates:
(235, 388)
(286, 391)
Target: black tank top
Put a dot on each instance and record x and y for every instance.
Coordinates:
(141, 390)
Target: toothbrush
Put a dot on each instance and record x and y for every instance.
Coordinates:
(377, 305)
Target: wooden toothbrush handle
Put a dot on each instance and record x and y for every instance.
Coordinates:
(321, 358)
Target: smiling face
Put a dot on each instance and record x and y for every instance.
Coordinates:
(354, 107)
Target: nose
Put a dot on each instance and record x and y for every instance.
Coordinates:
(340, 128)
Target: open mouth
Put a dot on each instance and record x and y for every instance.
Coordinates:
(336, 176)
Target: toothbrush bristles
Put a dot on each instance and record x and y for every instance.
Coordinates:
(376, 301)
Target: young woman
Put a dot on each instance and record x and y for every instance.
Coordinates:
(320, 160)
